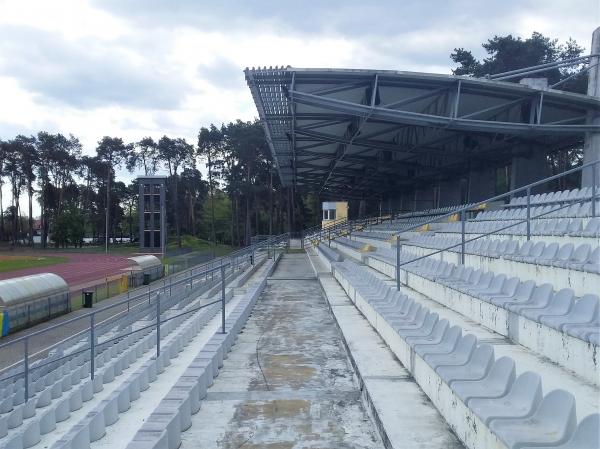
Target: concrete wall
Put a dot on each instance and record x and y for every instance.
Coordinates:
(482, 184)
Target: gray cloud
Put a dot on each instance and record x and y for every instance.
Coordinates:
(223, 73)
(84, 73)
(352, 18)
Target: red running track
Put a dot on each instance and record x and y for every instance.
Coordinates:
(81, 268)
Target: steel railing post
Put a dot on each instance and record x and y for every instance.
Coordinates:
(329, 237)
(26, 367)
(398, 250)
(148, 294)
(463, 222)
(528, 213)
(594, 168)
(157, 326)
(222, 299)
(92, 345)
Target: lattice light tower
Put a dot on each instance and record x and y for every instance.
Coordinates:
(153, 213)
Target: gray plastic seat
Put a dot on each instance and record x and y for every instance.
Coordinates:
(476, 368)
(540, 298)
(406, 308)
(415, 313)
(593, 257)
(422, 325)
(495, 384)
(511, 248)
(575, 226)
(585, 209)
(580, 256)
(548, 255)
(494, 286)
(584, 310)
(534, 254)
(482, 283)
(560, 304)
(523, 251)
(564, 254)
(459, 355)
(561, 227)
(583, 331)
(552, 423)
(522, 294)
(586, 436)
(425, 337)
(521, 401)
(448, 343)
(507, 289)
(592, 229)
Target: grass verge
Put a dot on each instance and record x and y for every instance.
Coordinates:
(13, 263)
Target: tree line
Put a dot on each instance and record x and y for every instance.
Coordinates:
(81, 196)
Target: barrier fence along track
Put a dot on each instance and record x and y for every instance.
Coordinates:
(206, 272)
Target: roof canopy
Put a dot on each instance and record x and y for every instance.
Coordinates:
(145, 262)
(18, 290)
(351, 132)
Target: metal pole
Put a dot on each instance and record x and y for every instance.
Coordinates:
(594, 169)
(398, 250)
(170, 285)
(329, 237)
(148, 294)
(92, 345)
(528, 213)
(157, 326)
(128, 302)
(462, 236)
(222, 299)
(26, 368)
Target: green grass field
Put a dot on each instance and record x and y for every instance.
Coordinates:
(12, 263)
(198, 245)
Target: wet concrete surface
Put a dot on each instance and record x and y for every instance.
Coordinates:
(288, 383)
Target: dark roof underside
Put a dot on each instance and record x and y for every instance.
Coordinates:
(362, 132)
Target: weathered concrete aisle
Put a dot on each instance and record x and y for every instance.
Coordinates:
(288, 382)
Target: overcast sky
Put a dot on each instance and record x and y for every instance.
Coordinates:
(133, 68)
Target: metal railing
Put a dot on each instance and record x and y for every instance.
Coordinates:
(344, 227)
(140, 301)
(593, 166)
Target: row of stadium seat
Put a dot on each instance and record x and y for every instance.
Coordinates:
(572, 227)
(578, 317)
(582, 257)
(560, 196)
(61, 383)
(511, 409)
(581, 210)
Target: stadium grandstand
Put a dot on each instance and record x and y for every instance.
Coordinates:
(467, 316)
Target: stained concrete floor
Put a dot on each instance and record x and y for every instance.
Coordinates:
(288, 382)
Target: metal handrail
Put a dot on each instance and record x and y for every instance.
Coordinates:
(187, 276)
(527, 220)
(486, 234)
